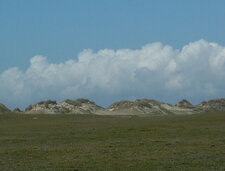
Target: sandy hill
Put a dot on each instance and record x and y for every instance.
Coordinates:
(4, 109)
(79, 106)
(136, 107)
(147, 106)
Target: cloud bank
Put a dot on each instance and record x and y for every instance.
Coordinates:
(195, 72)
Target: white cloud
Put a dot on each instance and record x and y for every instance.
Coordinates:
(197, 71)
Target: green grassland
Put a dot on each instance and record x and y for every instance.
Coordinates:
(89, 142)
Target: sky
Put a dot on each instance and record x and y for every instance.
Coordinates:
(111, 50)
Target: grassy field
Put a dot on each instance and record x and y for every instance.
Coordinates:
(88, 142)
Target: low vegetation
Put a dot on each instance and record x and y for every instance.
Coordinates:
(91, 142)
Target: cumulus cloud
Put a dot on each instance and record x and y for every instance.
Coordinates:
(158, 71)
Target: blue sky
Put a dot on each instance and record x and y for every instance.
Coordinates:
(60, 30)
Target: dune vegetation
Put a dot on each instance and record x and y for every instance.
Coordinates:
(91, 142)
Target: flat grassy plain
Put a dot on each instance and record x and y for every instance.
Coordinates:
(90, 142)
